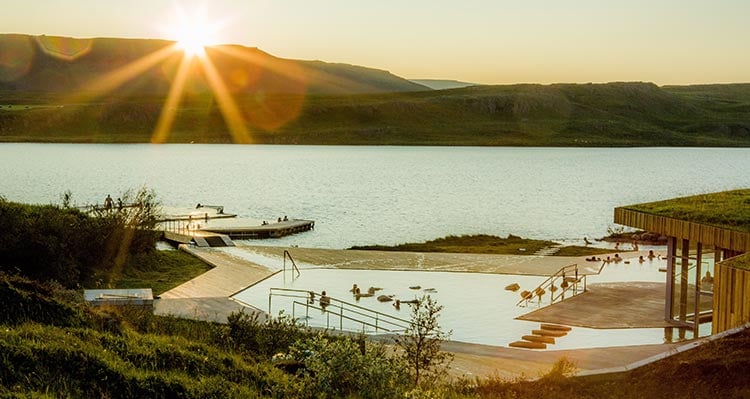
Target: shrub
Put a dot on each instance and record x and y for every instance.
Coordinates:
(341, 367)
(250, 334)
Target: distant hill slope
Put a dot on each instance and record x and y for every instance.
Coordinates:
(442, 84)
(63, 65)
(59, 95)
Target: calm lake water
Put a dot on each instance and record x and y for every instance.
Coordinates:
(381, 195)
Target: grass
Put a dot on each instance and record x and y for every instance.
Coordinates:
(160, 270)
(613, 114)
(727, 209)
(739, 262)
(486, 244)
(478, 244)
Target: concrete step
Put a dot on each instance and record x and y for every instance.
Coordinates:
(528, 345)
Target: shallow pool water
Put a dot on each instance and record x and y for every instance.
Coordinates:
(477, 308)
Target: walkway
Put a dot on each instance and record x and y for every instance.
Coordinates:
(206, 297)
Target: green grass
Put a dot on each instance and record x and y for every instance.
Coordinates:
(478, 244)
(575, 250)
(727, 209)
(739, 262)
(160, 270)
(614, 114)
(486, 244)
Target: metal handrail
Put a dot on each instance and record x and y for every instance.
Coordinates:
(550, 280)
(377, 327)
(294, 265)
(378, 317)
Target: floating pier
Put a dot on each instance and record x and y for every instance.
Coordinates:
(209, 226)
(271, 230)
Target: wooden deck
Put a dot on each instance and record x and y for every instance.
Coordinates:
(271, 230)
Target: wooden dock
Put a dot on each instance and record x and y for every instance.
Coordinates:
(271, 230)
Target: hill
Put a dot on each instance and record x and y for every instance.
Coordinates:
(442, 84)
(73, 90)
(61, 65)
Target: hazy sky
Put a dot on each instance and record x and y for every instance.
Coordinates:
(493, 41)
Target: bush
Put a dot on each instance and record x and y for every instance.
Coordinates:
(341, 367)
(47, 242)
(264, 338)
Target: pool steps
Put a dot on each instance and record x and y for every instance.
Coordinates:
(540, 338)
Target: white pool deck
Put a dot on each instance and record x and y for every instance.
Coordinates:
(207, 297)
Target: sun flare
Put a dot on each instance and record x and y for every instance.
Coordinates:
(193, 34)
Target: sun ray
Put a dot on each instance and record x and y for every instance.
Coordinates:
(169, 110)
(228, 108)
(285, 68)
(118, 77)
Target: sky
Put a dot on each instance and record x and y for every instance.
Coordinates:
(479, 41)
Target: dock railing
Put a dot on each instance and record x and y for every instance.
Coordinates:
(567, 280)
(339, 311)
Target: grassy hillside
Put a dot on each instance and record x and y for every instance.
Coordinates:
(614, 114)
(64, 66)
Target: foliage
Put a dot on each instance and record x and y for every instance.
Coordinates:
(726, 209)
(480, 243)
(48, 242)
(343, 367)
(24, 301)
(71, 362)
(420, 343)
(253, 333)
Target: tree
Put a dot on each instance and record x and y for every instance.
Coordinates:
(420, 343)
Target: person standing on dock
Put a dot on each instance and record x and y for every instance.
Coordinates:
(108, 202)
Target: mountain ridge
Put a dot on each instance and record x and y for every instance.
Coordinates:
(56, 64)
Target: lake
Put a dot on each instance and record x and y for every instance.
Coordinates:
(381, 194)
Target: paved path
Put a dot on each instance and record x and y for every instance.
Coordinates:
(229, 275)
(206, 297)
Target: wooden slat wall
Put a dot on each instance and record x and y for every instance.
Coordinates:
(708, 235)
(731, 304)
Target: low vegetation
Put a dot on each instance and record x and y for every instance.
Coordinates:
(728, 209)
(479, 244)
(159, 270)
(486, 244)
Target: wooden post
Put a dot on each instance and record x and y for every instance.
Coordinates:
(698, 277)
(668, 303)
(684, 270)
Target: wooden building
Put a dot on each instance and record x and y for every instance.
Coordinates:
(704, 232)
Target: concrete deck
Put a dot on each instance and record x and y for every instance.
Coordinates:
(229, 275)
(608, 305)
(390, 260)
(206, 298)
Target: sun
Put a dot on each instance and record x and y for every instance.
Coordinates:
(192, 43)
(193, 34)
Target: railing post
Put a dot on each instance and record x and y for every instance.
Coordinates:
(341, 317)
(269, 302)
